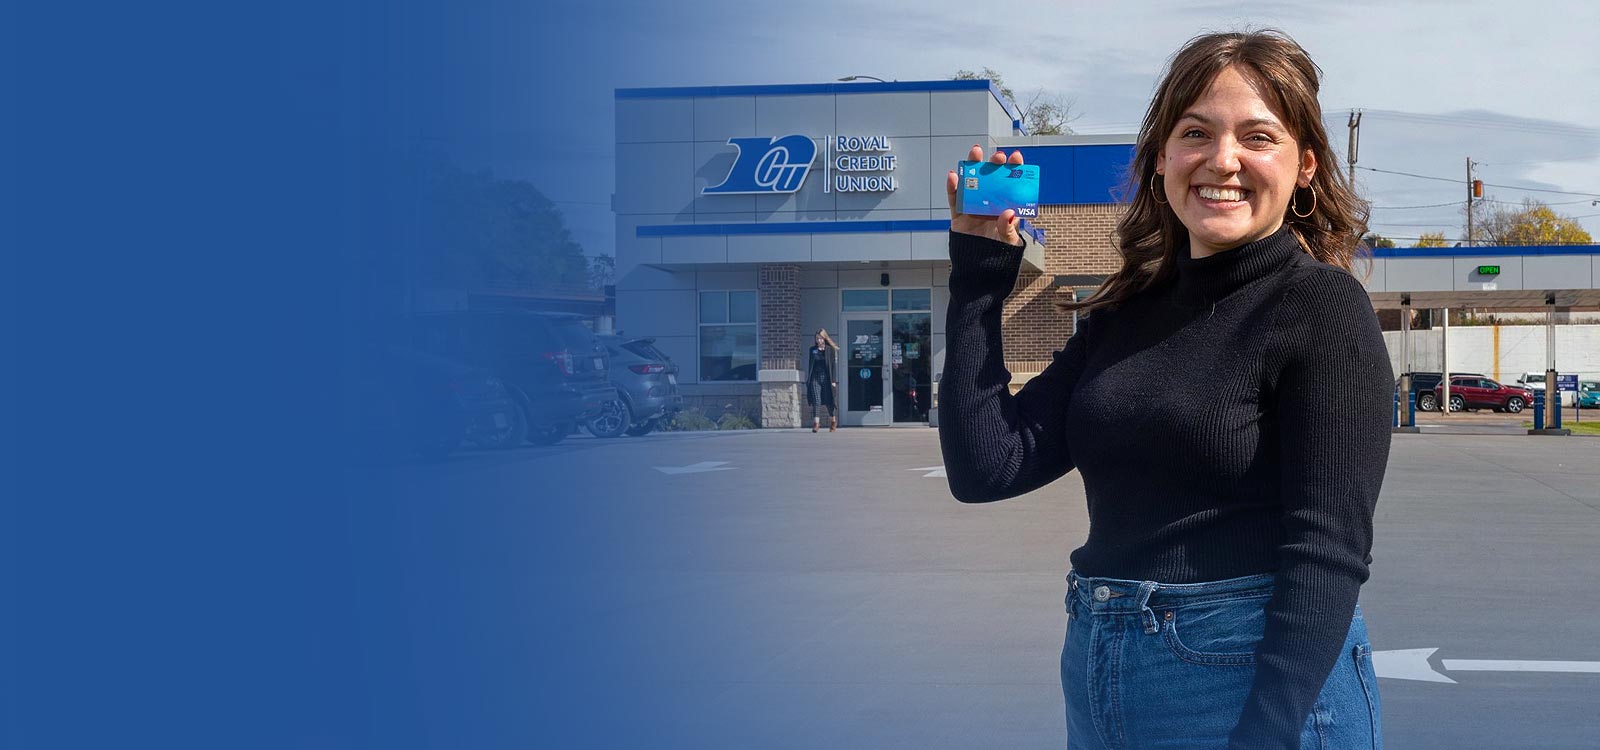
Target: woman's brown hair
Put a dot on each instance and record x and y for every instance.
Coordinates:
(1149, 235)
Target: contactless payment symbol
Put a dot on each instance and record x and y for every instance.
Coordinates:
(766, 165)
(865, 373)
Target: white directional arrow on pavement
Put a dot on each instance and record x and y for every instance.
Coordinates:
(1412, 664)
(703, 466)
(933, 471)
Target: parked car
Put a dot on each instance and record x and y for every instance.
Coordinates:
(647, 382)
(1589, 394)
(414, 403)
(554, 368)
(1534, 381)
(1422, 384)
(1471, 392)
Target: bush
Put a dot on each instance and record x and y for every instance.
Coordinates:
(693, 419)
(688, 420)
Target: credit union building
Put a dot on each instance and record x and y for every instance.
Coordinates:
(748, 217)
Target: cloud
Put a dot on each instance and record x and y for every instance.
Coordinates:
(1441, 81)
(1509, 149)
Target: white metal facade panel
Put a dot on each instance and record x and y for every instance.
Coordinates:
(857, 246)
(655, 120)
(722, 117)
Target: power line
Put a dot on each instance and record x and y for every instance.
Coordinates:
(1408, 174)
(1538, 190)
(1481, 200)
(1475, 122)
(1393, 224)
(1584, 157)
(1486, 184)
(1515, 203)
(1431, 205)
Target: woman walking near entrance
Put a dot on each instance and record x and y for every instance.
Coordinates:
(1227, 402)
(819, 380)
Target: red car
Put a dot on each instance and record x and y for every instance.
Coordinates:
(1471, 392)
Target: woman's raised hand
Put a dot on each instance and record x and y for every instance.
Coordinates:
(1002, 227)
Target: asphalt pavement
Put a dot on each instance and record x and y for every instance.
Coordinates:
(783, 589)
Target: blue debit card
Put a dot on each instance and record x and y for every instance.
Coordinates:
(988, 189)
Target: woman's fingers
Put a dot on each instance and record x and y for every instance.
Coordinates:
(1001, 158)
(1008, 226)
(975, 153)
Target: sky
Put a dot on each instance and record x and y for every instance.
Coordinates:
(1513, 86)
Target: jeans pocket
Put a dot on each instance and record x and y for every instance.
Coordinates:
(1369, 687)
(1223, 633)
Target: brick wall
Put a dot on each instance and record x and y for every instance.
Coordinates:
(1079, 241)
(778, 286)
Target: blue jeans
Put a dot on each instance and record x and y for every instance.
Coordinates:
(1155, 665)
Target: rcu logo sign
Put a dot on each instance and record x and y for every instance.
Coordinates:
(766, 165)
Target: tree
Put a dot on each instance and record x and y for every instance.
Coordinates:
(1430, 239)
(602, 271)
(1044, 114)
(1532, 223)
(1373, 239)
(482, 231)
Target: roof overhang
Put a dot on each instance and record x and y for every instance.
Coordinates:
(1525, 299)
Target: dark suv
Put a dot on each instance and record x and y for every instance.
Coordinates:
(553, 366)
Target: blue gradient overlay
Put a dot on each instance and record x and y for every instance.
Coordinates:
(209, 211)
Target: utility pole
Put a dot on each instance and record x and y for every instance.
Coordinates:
(1470, 185)
(1355, 143)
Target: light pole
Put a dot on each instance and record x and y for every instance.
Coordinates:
(857, 78)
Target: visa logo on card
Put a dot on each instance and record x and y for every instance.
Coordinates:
(988, 189)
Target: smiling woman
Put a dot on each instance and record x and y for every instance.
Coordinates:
(1230, 167)
(1237, 113)
(1227, 402)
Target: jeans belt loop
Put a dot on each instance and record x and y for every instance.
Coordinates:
(1072, 594)
(1151, 625)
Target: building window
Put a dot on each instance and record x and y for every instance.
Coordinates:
(864, 300)
(913, 299)
(728, 346)
(1079, 295)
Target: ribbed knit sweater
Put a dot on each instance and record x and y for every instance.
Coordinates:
(1229, 422)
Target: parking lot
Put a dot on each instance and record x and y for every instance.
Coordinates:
(781, 589)
(1486, 422)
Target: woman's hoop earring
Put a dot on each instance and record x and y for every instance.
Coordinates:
(1154, 195)
(1295, 199)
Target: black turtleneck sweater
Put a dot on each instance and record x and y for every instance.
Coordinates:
(1230, 422)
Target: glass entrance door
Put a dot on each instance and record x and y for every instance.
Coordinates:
(911, 365)
(865, 381)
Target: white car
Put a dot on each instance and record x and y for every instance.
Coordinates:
(1534, 381)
